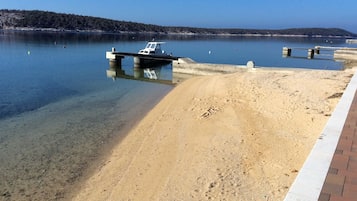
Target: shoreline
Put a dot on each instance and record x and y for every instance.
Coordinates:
(220, 136)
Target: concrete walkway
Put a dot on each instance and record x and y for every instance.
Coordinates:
(330, 171)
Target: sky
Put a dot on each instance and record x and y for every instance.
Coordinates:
(247, 14)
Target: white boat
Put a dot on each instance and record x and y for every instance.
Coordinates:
(153, 48)
(153, 56)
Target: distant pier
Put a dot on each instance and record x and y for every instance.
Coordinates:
(310, 52)
(348, 54)
(287, 51)
(336, 53)
(351, 41)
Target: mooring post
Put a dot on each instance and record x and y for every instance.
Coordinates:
(310, 53)
(286, 52)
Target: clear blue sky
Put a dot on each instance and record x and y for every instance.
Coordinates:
(260, 14)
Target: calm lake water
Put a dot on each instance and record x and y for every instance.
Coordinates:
(60, 111)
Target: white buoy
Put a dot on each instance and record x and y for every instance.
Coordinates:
(209, 52)
(28, 52)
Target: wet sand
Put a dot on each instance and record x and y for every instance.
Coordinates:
(241, 136)
(44, 153)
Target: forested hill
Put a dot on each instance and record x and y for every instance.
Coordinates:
(50, 21)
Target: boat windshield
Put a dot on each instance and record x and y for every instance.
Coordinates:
(153, 46)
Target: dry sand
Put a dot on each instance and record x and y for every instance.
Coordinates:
(241, 136)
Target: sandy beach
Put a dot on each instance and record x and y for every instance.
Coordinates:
(241, 136)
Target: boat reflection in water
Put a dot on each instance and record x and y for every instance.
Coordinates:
(150, 73)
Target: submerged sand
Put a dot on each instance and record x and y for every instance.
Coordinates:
(241, 136)
(44, 153)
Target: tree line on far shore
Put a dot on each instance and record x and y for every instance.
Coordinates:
(20, 19)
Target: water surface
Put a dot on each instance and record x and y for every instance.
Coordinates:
(59, 112)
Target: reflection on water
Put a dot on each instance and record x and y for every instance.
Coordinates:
(152, 73)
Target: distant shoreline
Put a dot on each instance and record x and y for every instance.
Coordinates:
(54, 30)
(35, 20)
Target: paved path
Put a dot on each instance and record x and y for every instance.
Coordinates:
(341, 179)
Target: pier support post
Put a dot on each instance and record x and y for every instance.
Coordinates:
(114, 60)
(115, 63)
(317, 49)
(137, 62)
(138, 72)
(310, 53)
(286, 52)
(114, 72)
